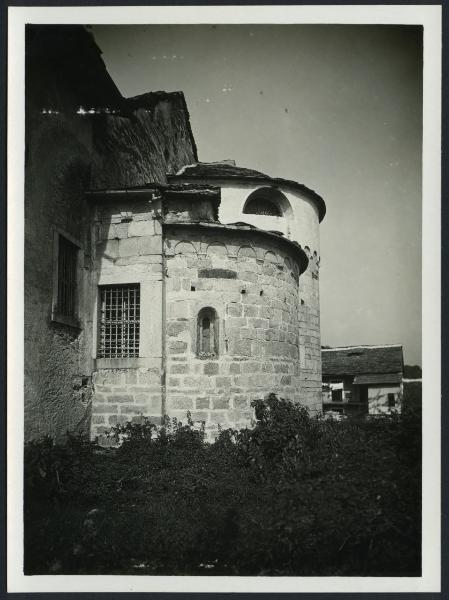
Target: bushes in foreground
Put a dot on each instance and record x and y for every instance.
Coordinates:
(295, 495)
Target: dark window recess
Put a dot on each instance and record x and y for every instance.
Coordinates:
(67, 278)
(262, 206)
(217, 274)
(391, 401)
(192, 288)
(337, 396)
(207, 333)
(363, 394)
(119, 321)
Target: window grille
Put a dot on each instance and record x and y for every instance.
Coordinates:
(119, 321)
(262, 206)
(67, 277)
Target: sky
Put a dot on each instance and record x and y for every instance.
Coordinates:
(337, 108)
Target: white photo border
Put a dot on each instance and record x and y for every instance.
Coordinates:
(429, 16)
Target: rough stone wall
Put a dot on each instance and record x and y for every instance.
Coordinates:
(258, 311)
(66, 154)
(310, 334)
(129, 250)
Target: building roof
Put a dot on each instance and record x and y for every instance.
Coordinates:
(362, 360)
(376, 378)
(227, 169)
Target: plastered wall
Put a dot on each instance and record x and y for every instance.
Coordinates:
(57, 357)
(300, 222)
(378, 399)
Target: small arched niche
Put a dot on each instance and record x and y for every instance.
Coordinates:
(207, 333)
(267, 201)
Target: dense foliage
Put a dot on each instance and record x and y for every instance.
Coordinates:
(295, 495)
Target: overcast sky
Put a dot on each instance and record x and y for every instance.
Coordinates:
(338, 108)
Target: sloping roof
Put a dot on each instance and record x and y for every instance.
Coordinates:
(227, 169)
(359, 360)
(377, 378)
(218, 169)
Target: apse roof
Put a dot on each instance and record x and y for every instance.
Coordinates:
(227, 169)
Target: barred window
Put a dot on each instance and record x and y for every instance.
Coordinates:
(119, 321)
(66, 304)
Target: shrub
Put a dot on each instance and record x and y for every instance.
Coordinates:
(295, 495)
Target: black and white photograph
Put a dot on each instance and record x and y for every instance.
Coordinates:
(226, 299)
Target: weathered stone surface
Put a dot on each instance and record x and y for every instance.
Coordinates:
(174, 328)
(104, 408)
(136, 409)
(131, 377)
(179, 369)
(217, 273)
(177, 347)
(140, 228)
(148, 245)
(211, 368)
(202, 403)
(124, 398)
(221, 402)
(128, 247)
(181, 403)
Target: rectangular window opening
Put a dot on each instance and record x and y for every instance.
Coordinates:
(337, 395)
(119, 321)
(391, 401)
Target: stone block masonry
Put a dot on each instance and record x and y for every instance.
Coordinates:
(260, 319)
(123, 395)
(262, 330)
(129, 251)
(310, 335)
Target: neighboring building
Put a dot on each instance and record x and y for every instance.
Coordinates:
(362, 379)
(151, 294)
